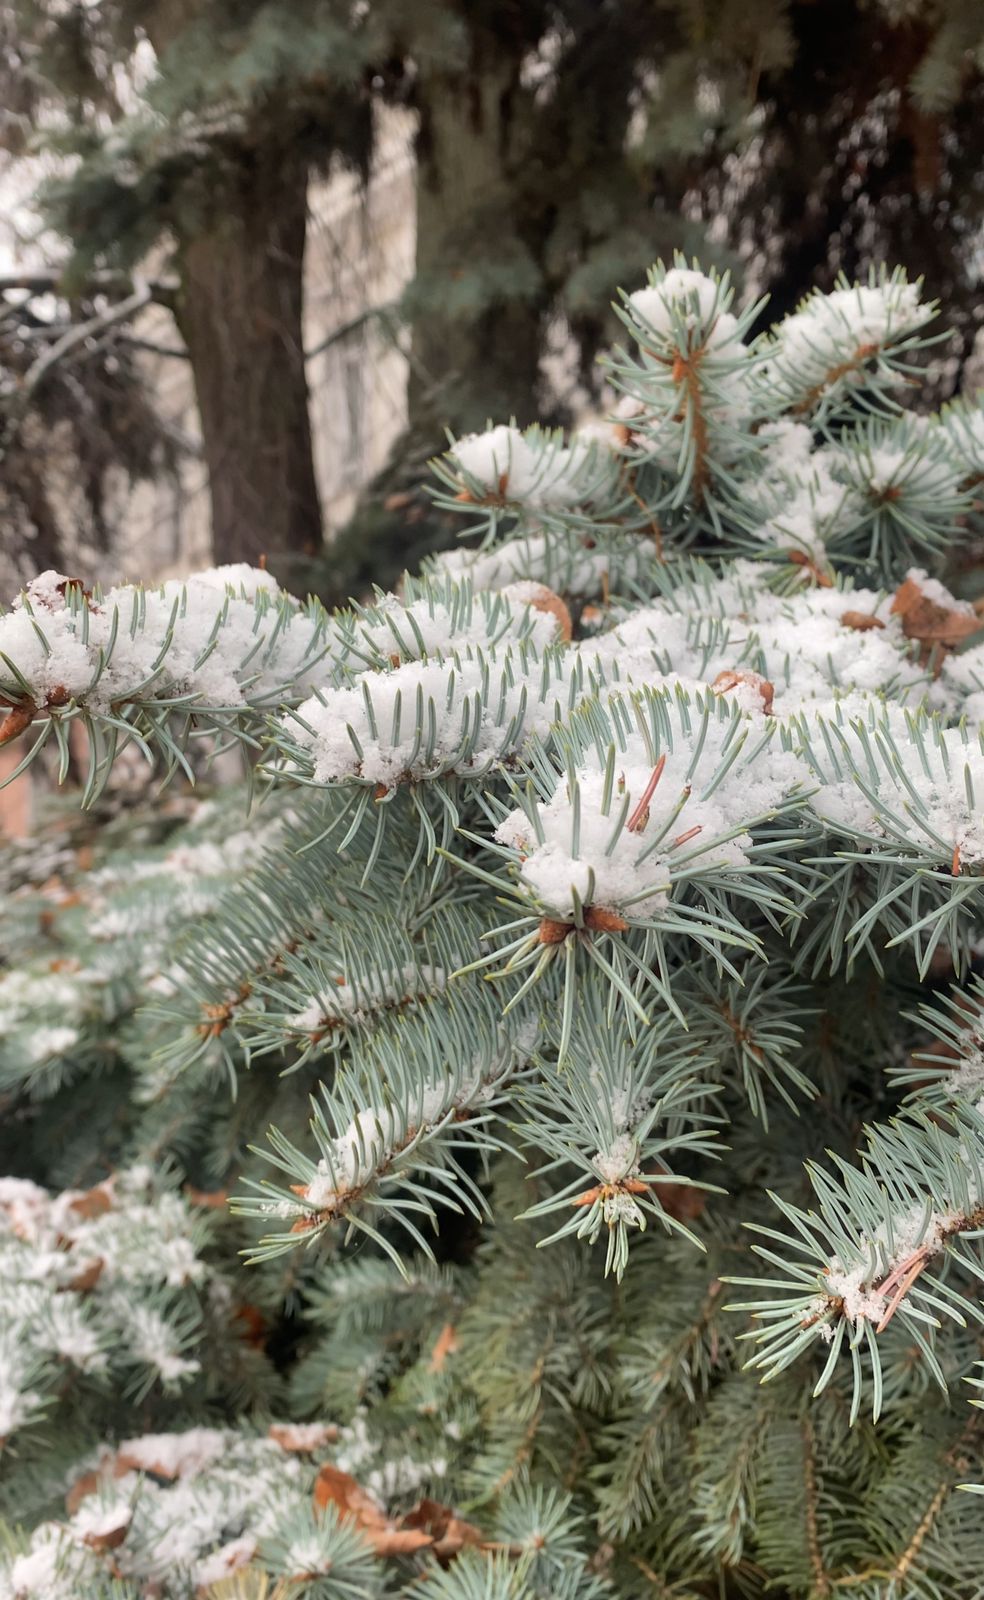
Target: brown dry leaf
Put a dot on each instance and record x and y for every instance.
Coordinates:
(111, 1539)
(300, 1438)
(86, 1485)
(445, 1345)
(599, 920)
(211, 1199)
(799, 558)
(929, 622)
(681, 1201)
(450, 1534)
(861, 621)
(548, 601)
(87, 1278)
(95, 1202)
(397, 1541)
(730, 680)
(339, 1489)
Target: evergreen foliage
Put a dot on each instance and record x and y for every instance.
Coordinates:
(595, 937)
(559, 146)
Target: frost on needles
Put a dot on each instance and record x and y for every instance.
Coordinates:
(573, 1019)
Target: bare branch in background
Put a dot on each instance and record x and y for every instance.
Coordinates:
(162, 291)
(170, 352)
(339, 334)
(63, 347)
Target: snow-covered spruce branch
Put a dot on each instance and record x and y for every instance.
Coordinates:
(688, 391)
(438, 710)
(883, 1246)
(460, 712)
(125, 663)
(846, 348)
(626, 840)
(753, 443)
(881, 493)
(611, 1123)
(435, 615)
(355, 974)
(225, 643)
(293, 1522)
(905, 492)
(107, 1282)
(458, 715)
(807, 647)
(697, 397)
(193, 1509)
(534, 470)
(651, 813)
(389, 1131)
(899, 793)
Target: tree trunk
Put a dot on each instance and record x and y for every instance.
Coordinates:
(239, 312)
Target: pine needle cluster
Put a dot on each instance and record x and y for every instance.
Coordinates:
(596, 936)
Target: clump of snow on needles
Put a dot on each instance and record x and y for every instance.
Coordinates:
(224, 635)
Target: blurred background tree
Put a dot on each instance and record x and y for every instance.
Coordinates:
(558, 147)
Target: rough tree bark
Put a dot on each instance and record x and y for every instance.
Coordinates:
(241, 236)
(239, 310)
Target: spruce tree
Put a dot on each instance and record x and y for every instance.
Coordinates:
(596, 937)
